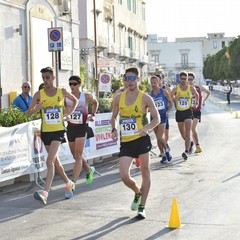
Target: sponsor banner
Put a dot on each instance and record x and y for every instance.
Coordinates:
(15, 158)
(23, 152)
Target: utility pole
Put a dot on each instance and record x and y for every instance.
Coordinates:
(95, 47)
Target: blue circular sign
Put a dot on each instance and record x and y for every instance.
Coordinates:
(105, 78)
(55, 35)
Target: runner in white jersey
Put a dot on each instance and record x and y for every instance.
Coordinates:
(78, 127)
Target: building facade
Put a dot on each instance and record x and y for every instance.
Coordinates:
(170, 58)
(213, 43)
(120, 36)
(24, 47)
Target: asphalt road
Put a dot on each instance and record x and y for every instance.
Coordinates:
(206, 187)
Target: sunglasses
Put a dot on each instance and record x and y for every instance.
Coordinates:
(183, 78)
(130, 78)
(26, 86)
(190, 79)
(73, 84)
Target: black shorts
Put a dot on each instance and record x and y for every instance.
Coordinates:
(197, 115)
(136, 147)
(48, 137)
(167, 123)
(183, 115)
(76, 131)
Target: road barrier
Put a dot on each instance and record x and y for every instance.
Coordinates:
(23, 152)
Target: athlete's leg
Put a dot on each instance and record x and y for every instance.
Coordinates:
(60, 170)
(146, 180)
(77, 155)
(52, 150)
(187, 126)
(194, 131)
(125, 164)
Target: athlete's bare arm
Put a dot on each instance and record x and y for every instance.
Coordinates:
(115, 110)
(71, 97)
(149, 104)
(35, 105)
(169, 100)
(203, 89)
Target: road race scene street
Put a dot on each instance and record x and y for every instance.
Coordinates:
(119, 120)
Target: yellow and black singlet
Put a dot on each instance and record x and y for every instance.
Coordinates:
(132, 117)
(184, 102)
(52, 111)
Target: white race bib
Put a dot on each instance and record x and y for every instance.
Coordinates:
(77, 117)
(160, 104)
(183, 103)
(52, 115)
(128, 127)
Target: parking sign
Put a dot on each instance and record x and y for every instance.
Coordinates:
(55, 39)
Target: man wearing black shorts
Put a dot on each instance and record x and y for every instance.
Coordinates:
(132, 106)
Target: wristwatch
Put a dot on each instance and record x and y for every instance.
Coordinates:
(114, 129)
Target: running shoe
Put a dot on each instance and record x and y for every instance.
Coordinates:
(74, 185)
(191, 146)
(141, 213)
(167, 147)
(136, 202)
(185, 155)
(41, 196)
(164, 159)
(89, 176)
(69, 190)
(169, 156)
(137, 162)
(198, 149)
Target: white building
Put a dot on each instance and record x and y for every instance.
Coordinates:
(24, 43)
(212, 44)
(173, 57)
(120, 36)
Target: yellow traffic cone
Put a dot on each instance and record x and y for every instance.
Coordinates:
(231, 110)
(236, 116)
(174, 221)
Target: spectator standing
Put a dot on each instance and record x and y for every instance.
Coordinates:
(24, 100)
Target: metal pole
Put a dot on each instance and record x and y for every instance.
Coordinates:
(56, 65)
(95, 47)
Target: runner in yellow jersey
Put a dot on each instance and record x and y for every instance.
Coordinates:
(182, 97)
(132, 106)
(50, 101)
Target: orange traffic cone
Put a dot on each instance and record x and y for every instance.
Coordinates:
(174, 221)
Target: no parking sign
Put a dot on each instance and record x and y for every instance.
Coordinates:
(55, 39)
(105, 82)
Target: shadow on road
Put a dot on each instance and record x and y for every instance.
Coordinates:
(160, 233)
(106, 229)
(234, 176)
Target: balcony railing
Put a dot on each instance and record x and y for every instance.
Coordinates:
(185, 65)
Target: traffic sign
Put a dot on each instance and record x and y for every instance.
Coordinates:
(55, 39)
(105, 82)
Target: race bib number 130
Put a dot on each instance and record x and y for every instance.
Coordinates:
(128, 127)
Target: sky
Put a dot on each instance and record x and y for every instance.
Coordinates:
(192, 18)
